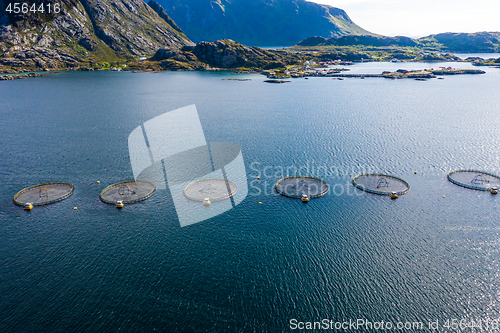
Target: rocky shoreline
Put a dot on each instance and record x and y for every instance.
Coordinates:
(204, 56)
(232, 56)
(273, 78)
(11, 77)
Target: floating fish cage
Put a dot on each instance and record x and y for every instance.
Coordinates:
(296, 186)
(44, 194)
(381, 184)
(473, 179)
(212, 189)
(128, 192)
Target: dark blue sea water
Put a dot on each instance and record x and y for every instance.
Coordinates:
(346, 256)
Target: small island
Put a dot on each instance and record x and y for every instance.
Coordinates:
(312, 69)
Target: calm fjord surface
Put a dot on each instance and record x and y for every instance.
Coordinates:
(347, 255)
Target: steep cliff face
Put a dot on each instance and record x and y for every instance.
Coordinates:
(163, 14)
(259, 22)
(85, 31)
(131, 26)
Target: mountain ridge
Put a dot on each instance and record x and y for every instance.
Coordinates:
(259, 22)
(487, 42)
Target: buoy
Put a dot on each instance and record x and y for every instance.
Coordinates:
(444, 196)
(258, 177)
(260, 202)
(414, 172)
(98, 182)
(75, 208)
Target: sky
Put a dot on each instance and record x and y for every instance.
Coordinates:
(417, 18)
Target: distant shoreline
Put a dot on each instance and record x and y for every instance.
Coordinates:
(334, 73)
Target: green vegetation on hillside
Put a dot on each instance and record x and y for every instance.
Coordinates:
(446, 42)
(462, 42)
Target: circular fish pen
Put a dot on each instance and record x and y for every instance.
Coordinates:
(296, 186)
(44, 194)
(475, 180)
(128, 192)
(212, 189)
(381, 184)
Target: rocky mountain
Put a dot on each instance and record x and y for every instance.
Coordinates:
(84, 31)
(445, 42)
(259, 22)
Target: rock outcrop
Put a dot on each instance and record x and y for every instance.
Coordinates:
(223, 54)
(229, 54)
